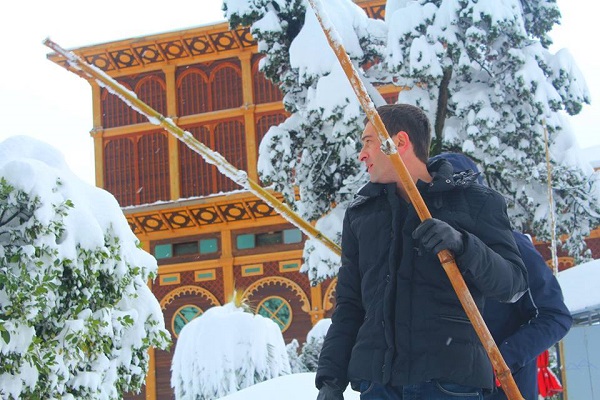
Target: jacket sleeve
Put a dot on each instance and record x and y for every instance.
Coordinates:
(347, 316)
(550, 319)
(490, 260)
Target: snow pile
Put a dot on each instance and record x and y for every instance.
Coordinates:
(579, 285)
(224, 350)
(289, 387)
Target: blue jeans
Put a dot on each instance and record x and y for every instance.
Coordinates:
(433, 390)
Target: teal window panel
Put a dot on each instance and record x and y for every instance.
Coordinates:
(292, 236)
(277, 310)
(163, 251)
(205, 275)
(247, 241)
(208, 246)
(183, 316)
(290, 266)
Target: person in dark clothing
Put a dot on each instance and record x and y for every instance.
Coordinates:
(398, 329)
(524, 329)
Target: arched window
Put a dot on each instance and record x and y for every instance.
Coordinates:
(197, 177)
(119, 170)
(230, 142)
(153, 164)
(276, 309)
(151, 90)
(193, 92)
(263, 125)
(115, 112)
(226, 87)
(184, 315)
(264, 90)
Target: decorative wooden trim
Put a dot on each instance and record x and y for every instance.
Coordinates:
(218, 263)
(188, 290)
(207, 214)
(563, 263)
(203, 275)
(290, 265)
(252, 270)
(274, 280)
(155, 51)
(327, 299)
(170, 279)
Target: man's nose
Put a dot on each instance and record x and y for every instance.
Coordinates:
(362, 156)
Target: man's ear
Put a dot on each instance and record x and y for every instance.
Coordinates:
(402, 141)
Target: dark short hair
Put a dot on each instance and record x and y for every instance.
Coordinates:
(410, 119)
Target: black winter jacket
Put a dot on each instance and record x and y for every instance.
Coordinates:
(397, 319)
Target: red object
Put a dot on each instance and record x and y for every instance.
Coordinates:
(548, 383)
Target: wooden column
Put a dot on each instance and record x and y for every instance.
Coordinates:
(151, 375)
(227, 264)
(171, 85)
(249, 117)
(316, 299)
(97, 133)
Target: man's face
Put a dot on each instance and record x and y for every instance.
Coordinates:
(379, 166)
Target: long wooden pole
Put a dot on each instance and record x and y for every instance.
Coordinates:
(83, 69)
(446, 257)
(554, 253)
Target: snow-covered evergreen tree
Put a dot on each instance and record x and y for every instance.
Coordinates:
(482, 71)
(311, 350)
(293, 352)
(76, 314)
(224, 350)
(491, 86)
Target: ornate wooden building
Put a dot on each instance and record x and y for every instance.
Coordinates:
(209, 236)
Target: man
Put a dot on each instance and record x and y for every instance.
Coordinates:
(524, 329)
(398, 330)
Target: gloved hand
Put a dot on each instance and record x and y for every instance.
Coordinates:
(330, 391)
(436, 235)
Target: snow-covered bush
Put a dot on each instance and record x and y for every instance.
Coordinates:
(76, 314)
(314, 343)
(307, 359)
(224, 350)
(296, 365)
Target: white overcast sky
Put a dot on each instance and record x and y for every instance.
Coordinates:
(42, 100)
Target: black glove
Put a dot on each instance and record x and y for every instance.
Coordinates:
(436, 235)
(330, 391)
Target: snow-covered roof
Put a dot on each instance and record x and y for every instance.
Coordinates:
(581, 289)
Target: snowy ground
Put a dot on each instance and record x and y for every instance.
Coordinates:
(290, 387)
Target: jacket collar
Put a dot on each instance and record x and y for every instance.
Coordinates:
(443, 179)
